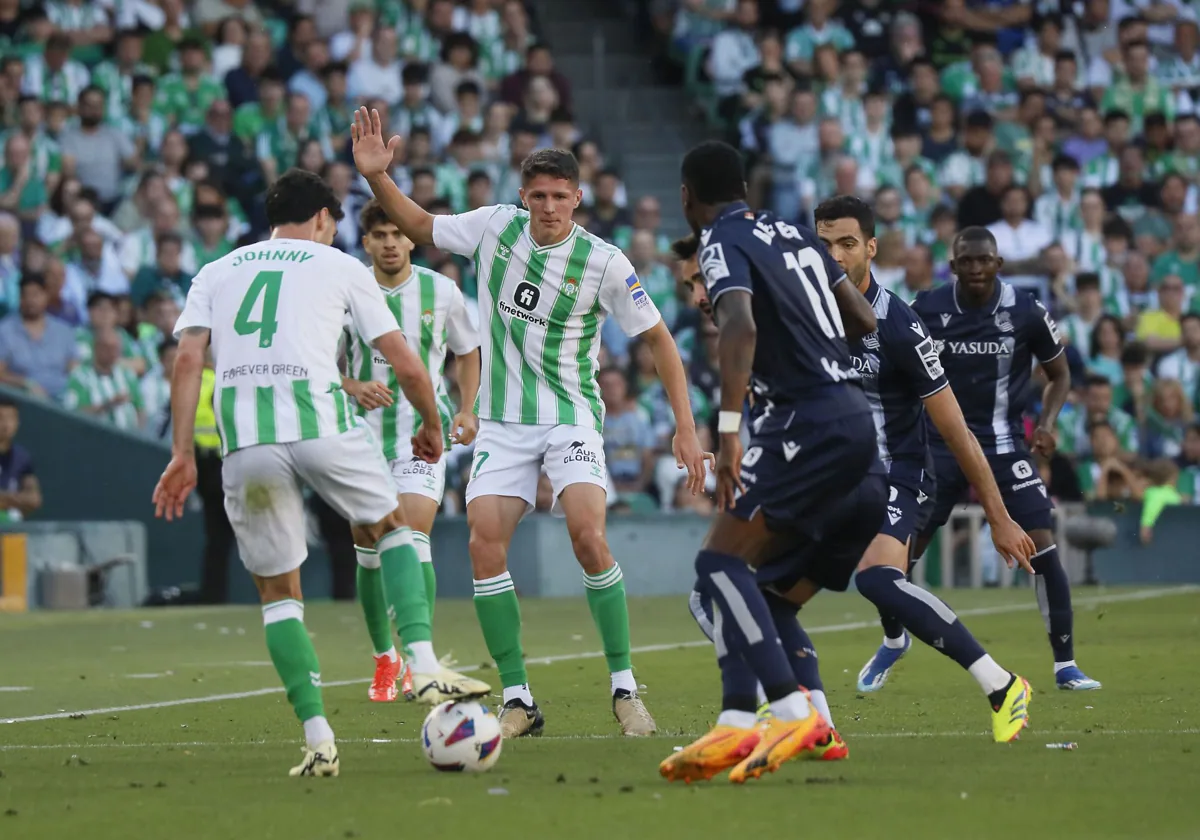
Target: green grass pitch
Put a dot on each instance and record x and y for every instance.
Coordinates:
(207, 755)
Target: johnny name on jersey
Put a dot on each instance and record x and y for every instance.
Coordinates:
(988, 356)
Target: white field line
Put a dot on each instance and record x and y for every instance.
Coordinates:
(1137, 595)
(1029, 735)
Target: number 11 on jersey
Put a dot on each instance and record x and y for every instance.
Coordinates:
(816, 277)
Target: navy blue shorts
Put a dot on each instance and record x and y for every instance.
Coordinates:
(910, 506)
(830, 561)
(795, 471)
(1020, 485)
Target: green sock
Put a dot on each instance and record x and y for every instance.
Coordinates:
(606, 600)
(294, 657)
(404, 586)
(421, 544)
(500, 619)
(371, 597)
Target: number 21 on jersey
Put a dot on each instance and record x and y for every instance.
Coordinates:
(266, 286)
(807, 263)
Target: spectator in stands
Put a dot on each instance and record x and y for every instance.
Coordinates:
(1168, 417)
(140, 248)
(1104, 473)
(734, 54)
(102, 153)
(607, 215)
(1020, 241)
(156, 391)
(20, 491)
(21, 190)
(1183, 365)
(105, 389)
(539, 62)
(458, 64)
(37, 351)
(629, 440)
(166, 273)
(96, 266)
(1160, 328)
(10, 263)
(377, 74)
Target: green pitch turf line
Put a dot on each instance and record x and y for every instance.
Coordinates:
(1137, 595)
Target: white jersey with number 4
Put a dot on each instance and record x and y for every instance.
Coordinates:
(540, 311)
(433, 318)
(276, 311)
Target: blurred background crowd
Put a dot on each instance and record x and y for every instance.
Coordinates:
(139, 137)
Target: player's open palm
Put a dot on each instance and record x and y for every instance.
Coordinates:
(427, 443)
(729, 472)
(372, 154)
(1014, 545)
(692, 457)
(464, 427)
(176, 484)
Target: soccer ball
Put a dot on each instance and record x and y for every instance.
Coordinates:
(461, 736)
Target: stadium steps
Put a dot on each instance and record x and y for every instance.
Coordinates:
(643, 126)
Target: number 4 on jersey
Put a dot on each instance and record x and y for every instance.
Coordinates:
(266, 286)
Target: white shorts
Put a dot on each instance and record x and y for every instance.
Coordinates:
(509, 458)
(412, 475)
(263, 495)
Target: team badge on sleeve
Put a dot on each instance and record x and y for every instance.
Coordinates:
(713, 265)
(635, 289)
(929, 351)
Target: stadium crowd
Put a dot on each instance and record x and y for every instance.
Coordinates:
(140, 136)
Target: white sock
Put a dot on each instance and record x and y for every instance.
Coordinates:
(1058, 666)
(895, 644)
(421, 544)
(317, 731)
(817, 698)
(519, 692)
(792, 707)
(390, 653)
(760, 694)
(423, 659)
(623, 679)
(368, 558)
(990, 676)
(732, 717)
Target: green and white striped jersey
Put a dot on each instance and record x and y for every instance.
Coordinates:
(88, 387)
(276, 311)
(540, 311)
(433, 317)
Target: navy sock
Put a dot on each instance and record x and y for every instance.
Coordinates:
(924, 614)
(742, 625)
(892, 628)
(801, 653)
(1054, 599)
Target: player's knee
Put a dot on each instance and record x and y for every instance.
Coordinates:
(591, 549)
(371, 534)
(279, 587)
(885, 550)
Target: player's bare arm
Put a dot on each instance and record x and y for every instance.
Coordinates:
(686, 445)
(465, 425)
(179, 478)
(1045, 438)
(1011, 541)
(858, 317)
(415, 383)
(370, 395)
(737, 334)
(373, 155)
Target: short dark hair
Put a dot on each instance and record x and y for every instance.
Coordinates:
(714, 173)
(1135, 353)
(298, 195)
(1194, 316)
(980, 119)
(1063, 161)
(1065, 55)
(1114, 114)
(98, 297)
(169, 238)
(468, 88)
(335, 67)
(1096, 380)
(8, 402)
(1087, 280)
(166, 344)
(32, 278)
(415, 74)
(847, 207)
(477, 176)
(371, 215)
(686, 247)
(557, 163)
(975, 233)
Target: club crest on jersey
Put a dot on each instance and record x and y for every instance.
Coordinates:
(569, 287)
(871, 342)
(1004, 322)
(504, 251)
(427, 317)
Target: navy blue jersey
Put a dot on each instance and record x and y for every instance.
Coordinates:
(988, 355)
(801, 354)
(900, 367)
